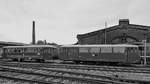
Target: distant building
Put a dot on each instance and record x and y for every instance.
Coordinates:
(124, 32)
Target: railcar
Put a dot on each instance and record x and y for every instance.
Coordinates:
(30, 52)
(120, 53)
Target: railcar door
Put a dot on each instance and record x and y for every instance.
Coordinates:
(94, 54)
(63, 55)
(133, 55)
(119, 54)
(84, 54)
(73, 54)
(107, 54)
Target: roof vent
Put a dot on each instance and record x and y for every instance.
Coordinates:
(123, 21)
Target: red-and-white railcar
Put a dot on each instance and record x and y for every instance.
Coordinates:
(120, 53)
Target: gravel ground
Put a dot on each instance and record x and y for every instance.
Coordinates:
(8, 81)
(126, 75)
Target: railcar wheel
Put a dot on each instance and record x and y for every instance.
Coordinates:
(77, 62)
(14, 59)
(40, 60)
(21, 60)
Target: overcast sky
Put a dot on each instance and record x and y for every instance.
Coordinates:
(60, 21)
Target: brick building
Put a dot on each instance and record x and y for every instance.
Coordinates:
(124, 32)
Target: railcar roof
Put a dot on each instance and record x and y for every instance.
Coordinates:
(101, 45)
(29, 46)
(147, 44)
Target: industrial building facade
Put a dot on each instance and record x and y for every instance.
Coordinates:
(124, 32)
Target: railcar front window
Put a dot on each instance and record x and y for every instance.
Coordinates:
(83, 50)
(119, 50)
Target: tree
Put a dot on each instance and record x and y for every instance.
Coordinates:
(40, 42)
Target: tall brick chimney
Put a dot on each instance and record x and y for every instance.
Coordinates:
(33, 33)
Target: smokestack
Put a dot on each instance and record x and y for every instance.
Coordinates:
(33, 33)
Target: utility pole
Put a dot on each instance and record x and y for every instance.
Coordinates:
(105, 33)
(145, 52)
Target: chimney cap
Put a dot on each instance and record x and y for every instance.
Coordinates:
(123, 21)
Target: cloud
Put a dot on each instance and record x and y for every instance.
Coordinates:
(61, 20)
(139, 12)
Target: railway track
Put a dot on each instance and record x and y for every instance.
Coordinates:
(104, 68)
(83, 67)
(110, 72)
(47, 76)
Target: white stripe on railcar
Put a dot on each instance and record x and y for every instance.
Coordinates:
(101, 45)
(30, 46)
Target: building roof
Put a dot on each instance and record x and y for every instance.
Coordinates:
(123, 23)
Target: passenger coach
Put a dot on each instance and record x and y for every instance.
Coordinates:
(122, 53)
(31, 52)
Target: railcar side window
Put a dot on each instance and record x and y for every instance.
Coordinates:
(133, 50)
(8, 50)
(94, 50)
(61, 50)
(119, 50)
(83, 50)
(11, 50)
(29, 50)
(50, 50)
(73, 50)
(15, 50)
(136, 50)
(35, 50)
(64, 49)
(44, 50)
(106, 50)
